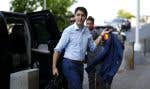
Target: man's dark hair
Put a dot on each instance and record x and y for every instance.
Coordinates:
(90, 18)
(83, 9)
(71, 16)
(72, 20)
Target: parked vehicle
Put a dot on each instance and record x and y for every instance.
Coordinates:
(27, 41)
(5, 63)
(120, 34)
(123, 23)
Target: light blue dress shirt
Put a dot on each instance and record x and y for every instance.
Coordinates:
(75, 42)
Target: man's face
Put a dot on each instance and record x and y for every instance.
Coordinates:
(72, 20)
(90, 24)
(80, 17)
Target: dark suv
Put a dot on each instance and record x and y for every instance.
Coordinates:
(123, 23)
(27, 41)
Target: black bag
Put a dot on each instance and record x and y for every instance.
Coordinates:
(55, 83)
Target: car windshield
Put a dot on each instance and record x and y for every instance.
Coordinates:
(118, 20)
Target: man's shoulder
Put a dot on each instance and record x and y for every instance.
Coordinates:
(97, 31)
(69, 28)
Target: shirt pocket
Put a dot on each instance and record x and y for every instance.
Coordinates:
(75, 39)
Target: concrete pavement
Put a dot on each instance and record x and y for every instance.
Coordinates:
(139, 78)
(85, 80)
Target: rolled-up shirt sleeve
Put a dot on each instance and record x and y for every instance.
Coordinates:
(91, 44)
(63, 41)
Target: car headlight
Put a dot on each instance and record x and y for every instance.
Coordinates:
(123, 23)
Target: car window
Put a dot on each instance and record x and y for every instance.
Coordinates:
(44, 30)
(18, 46)
(118, 20)
(40, 28)
(18, 41)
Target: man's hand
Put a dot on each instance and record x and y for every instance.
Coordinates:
(105, 31)
(56, 56)
(55, 71)
(99, 39)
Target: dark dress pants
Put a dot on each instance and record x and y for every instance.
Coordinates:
(101, 84)
(73, 72)
(92, 80)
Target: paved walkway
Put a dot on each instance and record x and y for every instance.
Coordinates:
(85, 81)
(139, 78)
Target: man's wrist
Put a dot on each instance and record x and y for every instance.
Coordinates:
(54, 66)
(100, 37)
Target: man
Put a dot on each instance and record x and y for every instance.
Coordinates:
(110, 59)
(75, 40)
(90, 26)
(90, 55)
(72, 19)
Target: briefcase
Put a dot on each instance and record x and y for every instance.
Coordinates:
(55, 83)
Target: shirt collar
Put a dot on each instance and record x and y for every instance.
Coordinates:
(77, 28)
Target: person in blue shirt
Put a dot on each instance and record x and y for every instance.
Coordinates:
(74, 42)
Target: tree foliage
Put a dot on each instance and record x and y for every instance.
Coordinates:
(58, 7)
(125, 14)
(23, 5)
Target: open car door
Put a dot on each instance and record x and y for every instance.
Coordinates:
(44, 37)
(19, 47)
(15, 54)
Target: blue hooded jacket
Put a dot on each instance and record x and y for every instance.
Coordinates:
(109, 58)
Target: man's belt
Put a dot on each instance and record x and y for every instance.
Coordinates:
(75, 61)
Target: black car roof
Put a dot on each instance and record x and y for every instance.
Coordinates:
(12, 16)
